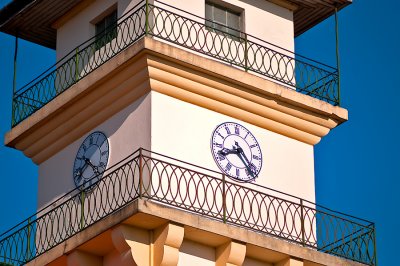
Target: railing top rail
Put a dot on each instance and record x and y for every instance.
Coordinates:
(262, 187)
(248, 35)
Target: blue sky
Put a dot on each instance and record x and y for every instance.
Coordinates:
(357, 164)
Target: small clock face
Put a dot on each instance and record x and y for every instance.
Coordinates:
(236, 151)
(91, 160)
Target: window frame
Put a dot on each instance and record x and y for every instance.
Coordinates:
(224, 29)
(109, 30)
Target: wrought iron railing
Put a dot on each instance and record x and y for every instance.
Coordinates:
(185, 30)
(152, 176)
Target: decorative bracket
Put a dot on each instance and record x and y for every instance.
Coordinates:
(132, 244)
(168, 240)
(231, 253)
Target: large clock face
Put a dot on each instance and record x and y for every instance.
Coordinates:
(91, 160)
(236, 151)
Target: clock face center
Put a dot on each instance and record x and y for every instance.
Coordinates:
(92, 156)
(232, 142)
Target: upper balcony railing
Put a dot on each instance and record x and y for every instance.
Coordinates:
(152, 176)
(185, 30)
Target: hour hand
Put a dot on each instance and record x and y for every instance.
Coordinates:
(226, 151)
(95, 168)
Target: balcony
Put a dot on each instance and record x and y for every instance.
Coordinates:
(146, 175)
(189, 32)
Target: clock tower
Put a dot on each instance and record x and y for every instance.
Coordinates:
(177, 133)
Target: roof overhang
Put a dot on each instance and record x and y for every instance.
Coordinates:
(33, 20)
(308, 13)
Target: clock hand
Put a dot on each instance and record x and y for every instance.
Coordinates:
(79, 173)
(240, 150)
(242, 156)
(95, 168)
(246, 165)
(226, 151)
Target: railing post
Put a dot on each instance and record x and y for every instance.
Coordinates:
(28, 244)
(82, 208)
(223, 199)
(303, 241)
(246, 53)
(13, 111)
(147, 17)
(337, 52)
(76, 65)
(140, 173)
(14, 80)
(15, 64)
(375, 260)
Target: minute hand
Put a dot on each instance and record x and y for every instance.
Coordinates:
(95, 168)
(242, 156)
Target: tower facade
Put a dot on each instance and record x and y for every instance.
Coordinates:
(178, 133)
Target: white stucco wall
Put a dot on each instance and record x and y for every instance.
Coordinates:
(127, 131)
(183, 131)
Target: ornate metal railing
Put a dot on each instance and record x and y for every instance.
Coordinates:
(185, 30)
(158, 178)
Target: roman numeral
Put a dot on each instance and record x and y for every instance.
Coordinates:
(227, 130)
(218, 145)
(228, 167)
(253, 146)
(247, 172)
(237, 172)
(255, 157)
(237, 130)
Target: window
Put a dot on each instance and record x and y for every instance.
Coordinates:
(223, 19)
(106, 30)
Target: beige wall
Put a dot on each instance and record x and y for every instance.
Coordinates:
(183, 131)
(126, 131)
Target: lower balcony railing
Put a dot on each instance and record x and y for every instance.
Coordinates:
(152, 176)
(190, 32)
